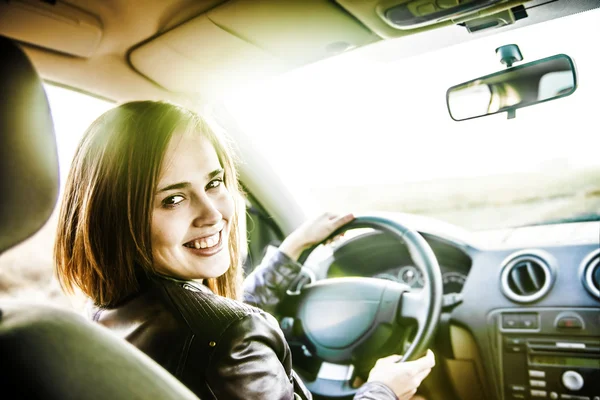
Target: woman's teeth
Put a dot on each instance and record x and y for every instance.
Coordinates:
(206, 242)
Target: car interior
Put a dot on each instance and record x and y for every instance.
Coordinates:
(509, 305)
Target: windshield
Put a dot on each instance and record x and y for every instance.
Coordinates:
(365, 133)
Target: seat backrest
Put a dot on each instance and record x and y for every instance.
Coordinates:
(28, 156)
(47, 352)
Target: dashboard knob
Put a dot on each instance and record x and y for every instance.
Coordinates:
(572, 380)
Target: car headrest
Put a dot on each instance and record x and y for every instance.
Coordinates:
(28, 155)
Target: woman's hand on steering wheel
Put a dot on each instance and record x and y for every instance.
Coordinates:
(313, 232)
(403, 378)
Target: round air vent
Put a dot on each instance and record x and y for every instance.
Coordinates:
(527, 275)
(590, 273)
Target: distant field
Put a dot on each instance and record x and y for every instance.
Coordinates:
(26, 271)
(477, 203)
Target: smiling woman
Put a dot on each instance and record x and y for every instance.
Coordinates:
(148, 230)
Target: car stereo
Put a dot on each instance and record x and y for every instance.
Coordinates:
(550, 354)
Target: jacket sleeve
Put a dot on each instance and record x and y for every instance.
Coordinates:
(251, 361)
(266, 285)
(375, 391)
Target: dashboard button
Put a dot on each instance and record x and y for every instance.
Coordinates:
(529, 321)
(536, 383)
(536, 374)
(515, 349)
(511, 321)
(569, 323)
(514, 341)
(538, 393)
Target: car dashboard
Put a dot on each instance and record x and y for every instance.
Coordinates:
(521, 308)
(379, 255)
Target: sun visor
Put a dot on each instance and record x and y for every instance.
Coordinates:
(198, 56)
(242, 41)
(299, 32)
(52, 25)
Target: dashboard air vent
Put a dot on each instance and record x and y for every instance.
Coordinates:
(527, 275)
(589, 272)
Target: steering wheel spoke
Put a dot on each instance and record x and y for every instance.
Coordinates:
(413, 307)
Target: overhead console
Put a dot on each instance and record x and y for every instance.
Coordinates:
(395, 18)
(419, 13)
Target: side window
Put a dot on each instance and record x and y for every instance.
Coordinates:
(26, 271)
(261, 231)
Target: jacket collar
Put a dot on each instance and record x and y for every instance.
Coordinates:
(186, 284)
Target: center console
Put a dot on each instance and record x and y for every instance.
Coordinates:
(548, 353)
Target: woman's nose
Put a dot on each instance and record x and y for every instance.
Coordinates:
(207, 212)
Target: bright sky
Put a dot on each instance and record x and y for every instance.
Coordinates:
(354, 121)
(72, 113)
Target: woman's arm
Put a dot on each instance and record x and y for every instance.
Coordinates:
(266, 285)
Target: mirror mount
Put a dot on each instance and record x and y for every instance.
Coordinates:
(509, 54)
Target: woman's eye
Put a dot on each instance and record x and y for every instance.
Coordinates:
(215, 183)
(172, 201)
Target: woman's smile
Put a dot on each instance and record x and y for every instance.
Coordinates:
(206, 246)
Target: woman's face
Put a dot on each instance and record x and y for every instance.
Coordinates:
(192, 210)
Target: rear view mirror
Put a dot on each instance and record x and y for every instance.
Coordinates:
(532, 83)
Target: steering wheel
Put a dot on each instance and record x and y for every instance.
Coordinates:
(354, 321)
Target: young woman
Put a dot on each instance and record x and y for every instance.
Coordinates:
(149, 231)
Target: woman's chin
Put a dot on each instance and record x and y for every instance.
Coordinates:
(220, 272)
(217, 267)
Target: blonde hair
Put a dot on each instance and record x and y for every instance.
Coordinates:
(103, 243)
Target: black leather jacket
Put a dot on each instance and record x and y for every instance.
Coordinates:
(219, 348)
